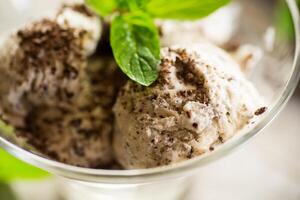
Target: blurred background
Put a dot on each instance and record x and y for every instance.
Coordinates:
(267, 168)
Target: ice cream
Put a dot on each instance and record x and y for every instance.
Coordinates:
(200, 100)
(59, 96)
(50, 93)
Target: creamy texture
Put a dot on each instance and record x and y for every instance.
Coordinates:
(81, 18)
(60, 100)
(53, 97)
(200, 100)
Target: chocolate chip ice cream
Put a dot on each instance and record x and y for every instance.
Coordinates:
(73, 105)
(200, 100)
(52, 95)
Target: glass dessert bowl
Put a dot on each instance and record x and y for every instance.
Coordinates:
(276, 77)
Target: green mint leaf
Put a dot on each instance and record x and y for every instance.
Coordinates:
(13, 169)
(138, 4)
(142, 3)
(102, 7)
(183, 9)
(135, 43)
(123, 4)
(132, 5)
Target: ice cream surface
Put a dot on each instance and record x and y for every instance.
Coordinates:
(200, 100)
(52, 95)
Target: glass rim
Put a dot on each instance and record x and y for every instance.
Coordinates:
(171, 171)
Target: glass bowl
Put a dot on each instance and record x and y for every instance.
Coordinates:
(276, 77)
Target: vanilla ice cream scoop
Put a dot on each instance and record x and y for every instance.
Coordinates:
(200, 100)
(49, 92)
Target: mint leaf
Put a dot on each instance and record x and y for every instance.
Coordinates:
(137, 4)
(142, 3)
(13, 169)
(134, 37)
(123, 4)
(135, 44)
(183, 9)
(132, 5)
(102, 7)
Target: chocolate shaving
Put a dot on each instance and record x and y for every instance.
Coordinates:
(260, 111)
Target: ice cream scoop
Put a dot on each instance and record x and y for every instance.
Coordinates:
(200, 100)
(53, 97)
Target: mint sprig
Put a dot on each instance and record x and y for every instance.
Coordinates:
(102, 7)
(183, 9)
(131, 4)
(135, 43)
(134, 37)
